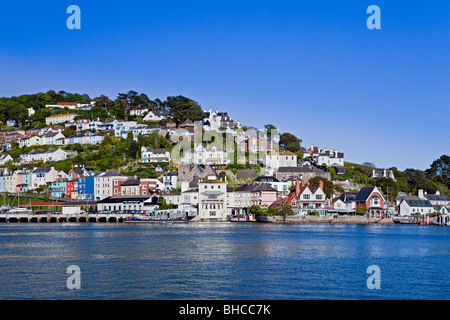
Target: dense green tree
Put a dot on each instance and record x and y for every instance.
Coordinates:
(327, 185)
(182, 108)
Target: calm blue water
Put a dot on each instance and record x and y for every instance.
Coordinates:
(223, 261)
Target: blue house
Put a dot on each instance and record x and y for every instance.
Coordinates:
(86, 188)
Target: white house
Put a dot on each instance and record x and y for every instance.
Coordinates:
(121, 128)
(409, 207)
(43, 155)
(435, 199)
(383, 173)
(155, 116)
(31, 141)
(52, 138)
(206, 155)
(4, 159)
(274, 160)
(151, 155)
(60, 118)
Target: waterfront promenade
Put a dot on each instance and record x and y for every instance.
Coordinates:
(84, 217)
(122, 217)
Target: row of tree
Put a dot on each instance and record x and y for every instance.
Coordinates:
(179, 108)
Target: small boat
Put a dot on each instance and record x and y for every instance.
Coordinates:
(404, 220)
(236, 218)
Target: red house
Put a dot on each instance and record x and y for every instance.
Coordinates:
(371, 199)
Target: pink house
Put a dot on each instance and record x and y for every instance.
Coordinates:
(261, 194)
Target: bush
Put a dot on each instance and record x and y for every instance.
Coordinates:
(360, 211)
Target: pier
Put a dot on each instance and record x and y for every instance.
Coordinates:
(59, 218)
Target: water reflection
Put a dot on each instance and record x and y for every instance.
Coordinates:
(221, 261)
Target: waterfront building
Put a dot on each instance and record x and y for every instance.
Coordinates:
(371, 199)
(413, 207)
(307, 200)
(126, 203)
(212, 196)
(86, 187)
(104, 184)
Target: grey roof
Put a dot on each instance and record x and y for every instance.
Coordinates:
(256, 187)
(436, 197)
(347, 196)
(39, 170)
(266, 179)
(364, 193)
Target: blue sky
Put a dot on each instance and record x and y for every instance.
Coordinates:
(311, 68)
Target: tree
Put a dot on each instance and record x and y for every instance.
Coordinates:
(182, 108)
(369, 164)
(441, 168)
(286, 210)
(104, 102)
(290, 142)
(164, 205)
(327, 185)
(132, 100)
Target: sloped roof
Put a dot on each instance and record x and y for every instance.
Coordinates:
(364, 193)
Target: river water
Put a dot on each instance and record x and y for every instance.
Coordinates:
(223, 261)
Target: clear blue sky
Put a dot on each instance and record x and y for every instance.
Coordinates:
(311, 68)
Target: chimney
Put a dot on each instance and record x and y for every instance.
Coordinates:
(321, 184)
(438, 192)
(420, 193)
(297, 187)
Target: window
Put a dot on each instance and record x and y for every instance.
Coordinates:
(306, 196)
(319, 197)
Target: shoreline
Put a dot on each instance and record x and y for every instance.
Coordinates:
(325, 220)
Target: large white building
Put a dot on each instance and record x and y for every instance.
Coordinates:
(205, 155)
(60, 118)
(212, 199)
